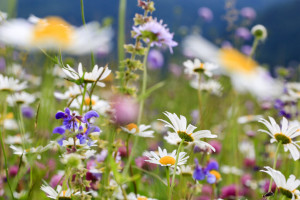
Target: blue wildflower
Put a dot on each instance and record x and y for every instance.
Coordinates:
(210, 172)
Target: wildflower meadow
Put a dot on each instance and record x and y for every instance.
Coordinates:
(134, 108)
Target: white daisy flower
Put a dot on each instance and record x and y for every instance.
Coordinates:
(88, 77)
(70, 143)
(231, 170)
(99, 105)
(179, 126)
(58, 193)
(164, 158)
(210, 86)
(287, 187)
(10, 84)
(285, 134)
(17, 139)
(3, 16)
(185, 170)
(193, 68)
(54, 33)
(259, 31)
(132, 196)
(23, 98)
(9, 122)
(71, 93)
(293, 89)
(39, 149)
(140, 130)
(248, 118)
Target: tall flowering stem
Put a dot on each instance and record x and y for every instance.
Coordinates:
(274, 164)
(200, 100)
(254, 46)
(83, 98)
(83, 21)
(168, 180)
(3, 148)
(141, 108)
(175, 168)
(121, 32)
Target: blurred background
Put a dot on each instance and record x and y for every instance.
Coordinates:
(281, 18)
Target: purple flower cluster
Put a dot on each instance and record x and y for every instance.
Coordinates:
(71, 123)
(201, 173)
(156, 33)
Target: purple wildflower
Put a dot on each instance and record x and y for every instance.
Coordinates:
(201, 173)
(206, 14)
(246, 49)
(155, 59)
(156, 33)
(243, 33)
(248, 13)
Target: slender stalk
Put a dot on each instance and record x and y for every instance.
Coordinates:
(21, 124)
(168, 179)
(144, 86)
(254, 46)
(121, 32)
(83, 21)
(3, 148)
(274, 165)
(83, 98)
(200, 101)
(175, 167)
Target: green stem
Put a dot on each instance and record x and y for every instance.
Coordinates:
(144, 86)
(199, 101)
(121, 32)
(274, 165)
(83, 98)
(3, 148)
(254, 46)
(175, 167)
(21, 124)
(83, 21)
(168, 180)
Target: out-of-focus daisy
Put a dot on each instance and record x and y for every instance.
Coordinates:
(248, 118)
(259, 31)
(8, 121)
(3, 16)
(140, 130)
(132, 196)
(39, 149)
(287, 187)
(99, 105)
(293, 89)
(72, 92)
(211, 86)
(87, 77)
(246, 74)
(285, 134)
(69, 143)
(22, 98)
(59, 193)
(196, 67)
(10, 84)
(164, 158)
(231, 170)
(17, 139)
(186, 133)
(185, 170)
(54, 33)
(157, 33)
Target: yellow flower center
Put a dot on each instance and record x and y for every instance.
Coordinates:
(142, 198)
(10, 115)
(53, 29)
(280, 137)
(132, 126)
(235, 61)
(185, 136)
(216, 174)
(200, 68)
(167, 160)
(87, 101)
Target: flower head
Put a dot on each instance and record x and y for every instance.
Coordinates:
(54, 33)
(259, 31)
(210, 172)
(155, 33)
(164, 158)
(186, 133)
(10, 84)
(284, 134)
(198, 67)
(98, 74)
(58, 193)
(287, 187)
(140, 130)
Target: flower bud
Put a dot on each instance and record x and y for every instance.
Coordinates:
(259, 32)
